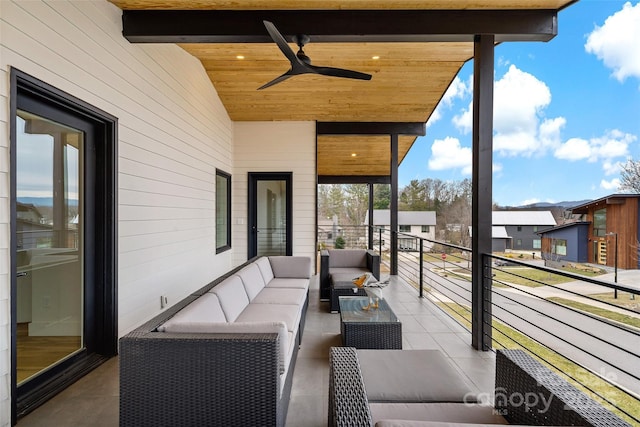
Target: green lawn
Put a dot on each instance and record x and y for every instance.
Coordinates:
(598, 311)
(505, 337)
(533, 278)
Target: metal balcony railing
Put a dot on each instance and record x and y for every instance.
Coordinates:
(586, 329)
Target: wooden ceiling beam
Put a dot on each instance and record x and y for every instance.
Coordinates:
(226, 26)
(371, 128)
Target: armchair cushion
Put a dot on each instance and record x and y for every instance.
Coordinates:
(347, 258)
(401, 376)
(443, 412)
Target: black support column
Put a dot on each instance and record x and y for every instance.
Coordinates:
(394, 204)
(370, 219)
(481, 219)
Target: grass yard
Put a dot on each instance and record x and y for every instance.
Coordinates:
(599, 311)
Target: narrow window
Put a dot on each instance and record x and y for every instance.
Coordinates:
(223, 211)
(404, 228)
(425, 228)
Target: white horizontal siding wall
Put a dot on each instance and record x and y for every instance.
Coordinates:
(276, 147)
(173, 133)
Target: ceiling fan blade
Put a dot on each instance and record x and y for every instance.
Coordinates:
(281, 42)
(277, 80)
(340, 72)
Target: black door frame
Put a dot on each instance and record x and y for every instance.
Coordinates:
(253, 178)
(101, 269)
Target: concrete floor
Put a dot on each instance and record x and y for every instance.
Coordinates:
(93, 401)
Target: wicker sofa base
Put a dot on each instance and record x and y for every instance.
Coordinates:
(518, 375)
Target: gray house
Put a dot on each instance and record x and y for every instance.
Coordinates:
(566, 242)
(523, 227)
(416, 223)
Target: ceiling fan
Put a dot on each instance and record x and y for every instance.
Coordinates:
(301, 63)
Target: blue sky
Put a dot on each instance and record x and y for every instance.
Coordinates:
(567, 112)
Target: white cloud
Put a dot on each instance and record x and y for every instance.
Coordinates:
(464, 120)
(497, 167)
(519, 127)
(448, 154)
(605, 148)
(614, 184)
(456, 90)
(611, 168)
(617, 42)
(574, 149)
(519, 99)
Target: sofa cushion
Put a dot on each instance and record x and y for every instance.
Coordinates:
(347, 258)
(265, 268)
(444, 412)
(291, 296)
(289, 283)
(252, 280)
(205, 309)
(289, 314)
(284, 336)
(412, 376)
(291, 266)
(233, 297)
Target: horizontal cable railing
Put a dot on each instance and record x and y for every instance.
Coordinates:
(343, 236)
(586, 328)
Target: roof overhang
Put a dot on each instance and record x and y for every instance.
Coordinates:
(412, 48)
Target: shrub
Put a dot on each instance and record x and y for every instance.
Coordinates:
(339, 242)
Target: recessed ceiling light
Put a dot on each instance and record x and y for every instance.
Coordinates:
(239, 56)
(375, 57)
(353, 154)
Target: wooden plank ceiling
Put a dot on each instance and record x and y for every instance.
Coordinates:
(408, 78)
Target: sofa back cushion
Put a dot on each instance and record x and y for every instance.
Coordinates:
(292, 267)
(205, 309)
(347, 258)
(252, 280)
(265, 268)
(233, 297)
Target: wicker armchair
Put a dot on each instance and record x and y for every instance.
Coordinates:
(517, 374)
(339, 266)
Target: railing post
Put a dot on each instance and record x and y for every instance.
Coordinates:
(421, 268)
(487, 293)
(380, 242)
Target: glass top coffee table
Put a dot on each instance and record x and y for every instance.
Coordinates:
(374, 328)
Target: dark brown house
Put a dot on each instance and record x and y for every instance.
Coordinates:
(613, 230)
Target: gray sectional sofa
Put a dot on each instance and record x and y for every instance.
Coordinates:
(224, 356)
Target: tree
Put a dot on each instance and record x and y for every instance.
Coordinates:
(381, 196)
(630, 176)
(356, 203)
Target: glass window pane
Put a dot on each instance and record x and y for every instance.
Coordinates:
(49, 244)
(223, 211)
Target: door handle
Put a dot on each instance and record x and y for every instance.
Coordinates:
(22, 274)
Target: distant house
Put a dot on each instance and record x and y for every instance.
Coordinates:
(566, 242)
(410, 223)
(612, 219)
(500, 240)
(523, 226)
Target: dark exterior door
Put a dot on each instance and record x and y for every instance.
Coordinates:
(270, 213)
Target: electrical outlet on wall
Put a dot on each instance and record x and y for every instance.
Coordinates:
(163, 301)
